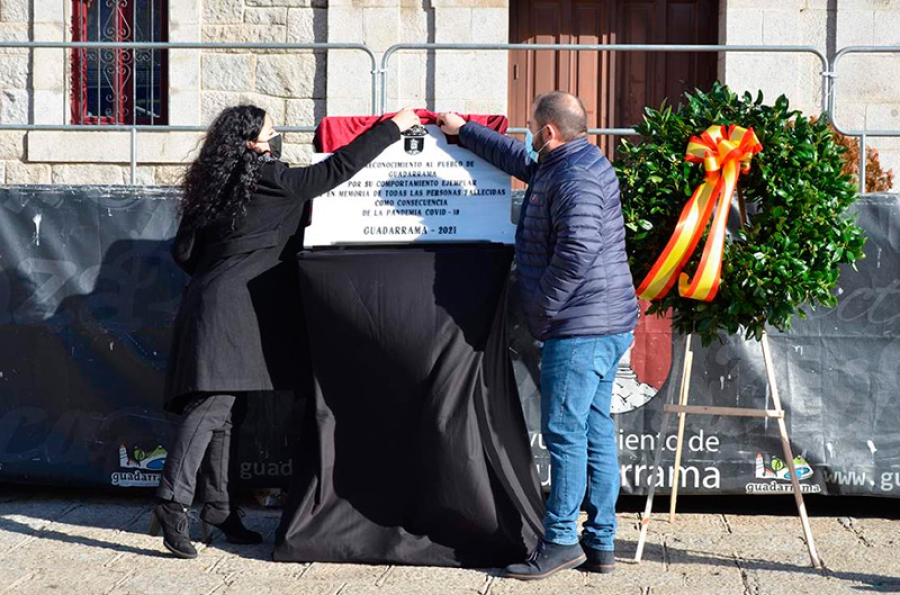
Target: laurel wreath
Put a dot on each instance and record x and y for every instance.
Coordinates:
(788, 256)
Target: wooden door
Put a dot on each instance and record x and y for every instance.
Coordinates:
(615, 86)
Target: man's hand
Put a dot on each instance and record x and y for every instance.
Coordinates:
(406, 119)
(450, 123)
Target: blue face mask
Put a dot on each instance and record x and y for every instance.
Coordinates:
(529, 145)
(533, 154)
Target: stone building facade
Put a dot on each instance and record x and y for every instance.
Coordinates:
(301, 86)
(867, 86)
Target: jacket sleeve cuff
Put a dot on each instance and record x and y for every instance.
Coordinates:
(392, 130)
(467, 132)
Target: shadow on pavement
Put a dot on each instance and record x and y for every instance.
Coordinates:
(873, 582)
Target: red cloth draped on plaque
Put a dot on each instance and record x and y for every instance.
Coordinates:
(333, 132)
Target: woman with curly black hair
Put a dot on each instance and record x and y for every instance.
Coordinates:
(239, 327)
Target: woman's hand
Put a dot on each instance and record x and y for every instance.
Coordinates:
(450, 123)
(406, 119)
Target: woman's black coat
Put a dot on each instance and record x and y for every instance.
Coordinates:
(240, 324)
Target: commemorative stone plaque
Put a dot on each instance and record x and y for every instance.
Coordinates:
(421, 189)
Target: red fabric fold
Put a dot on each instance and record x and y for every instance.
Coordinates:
(334, 132)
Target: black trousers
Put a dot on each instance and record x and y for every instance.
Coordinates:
(202, 445)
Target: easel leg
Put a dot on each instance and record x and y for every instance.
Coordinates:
(645, 518)
(683, 400)
(660, 441)
(788, 454)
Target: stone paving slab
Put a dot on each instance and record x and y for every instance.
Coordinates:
(781, 581)
(27, 517)
(96, 516)
(156, 556)
(684, 523)
(12, 576)
(71, 580)
(150, 581)
(37, 555)
(10, 539)
(787, 525)
(426, 589)
(450, 578)
(51, 542)
(363, 574)
(279, 585)
(252, 560)
(874, 532)
(712, 584)
(869, 566)
(628, 575)
(567, 581)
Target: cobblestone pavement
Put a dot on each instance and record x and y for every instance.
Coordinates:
(72, 542)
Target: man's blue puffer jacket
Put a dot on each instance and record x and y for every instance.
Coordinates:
(571, 263)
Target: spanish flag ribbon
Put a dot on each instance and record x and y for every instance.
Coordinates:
(725, 152)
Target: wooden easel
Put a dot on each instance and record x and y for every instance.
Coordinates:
(682, 409)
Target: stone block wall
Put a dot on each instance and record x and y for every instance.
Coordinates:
(15, 73)
(296, 87)
(289, 85)
(300, 87)
(34, 88)
(867, 87)
(463, 81)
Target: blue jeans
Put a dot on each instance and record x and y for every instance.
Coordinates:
(577, 376)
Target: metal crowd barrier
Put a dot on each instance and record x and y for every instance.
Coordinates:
(832, 101)
(385, 61)
(134, 128)
(378, 85)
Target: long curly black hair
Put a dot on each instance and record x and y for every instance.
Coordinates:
(218, 184)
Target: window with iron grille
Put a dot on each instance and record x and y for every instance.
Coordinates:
(119, 86)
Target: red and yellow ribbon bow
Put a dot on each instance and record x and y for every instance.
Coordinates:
(725, 152)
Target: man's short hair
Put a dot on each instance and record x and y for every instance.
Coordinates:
(563, 110)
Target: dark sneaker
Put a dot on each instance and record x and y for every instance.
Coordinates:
(175, 523)
(546, 560)
(602, 561)
(229, 523)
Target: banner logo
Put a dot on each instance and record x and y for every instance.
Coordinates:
(144, 467)
(778, 474)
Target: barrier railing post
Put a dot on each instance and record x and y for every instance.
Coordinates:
(134, 128)
(863, 135)
(806, 49)
(862, 164)
(133, 156)
(380, 72)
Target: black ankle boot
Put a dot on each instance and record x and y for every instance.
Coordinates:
(173, 518)
(227, 521)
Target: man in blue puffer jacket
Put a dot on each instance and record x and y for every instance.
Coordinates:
(579, 299)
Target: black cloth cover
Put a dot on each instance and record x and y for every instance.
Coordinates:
(417, 452)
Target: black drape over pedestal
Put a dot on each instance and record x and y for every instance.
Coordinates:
(417, 451)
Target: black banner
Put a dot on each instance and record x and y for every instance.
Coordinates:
(88, 293)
